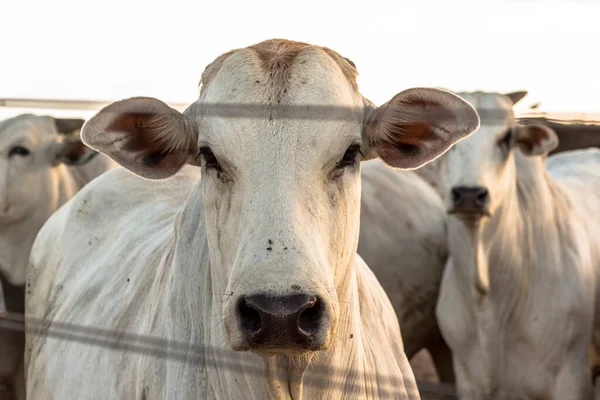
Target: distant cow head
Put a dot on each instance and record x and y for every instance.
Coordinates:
(33, 150)
(480, 167)
(280, 180)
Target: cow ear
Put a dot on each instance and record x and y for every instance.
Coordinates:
(515, 97)
(417, 126)
(144, 135)
(68, 125)
(535, 139)
(70, 150)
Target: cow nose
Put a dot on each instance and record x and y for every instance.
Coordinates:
(280, 321)
(474, 199)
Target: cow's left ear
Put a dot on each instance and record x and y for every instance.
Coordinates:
(535, 139)
(70, 150)
(417, 126)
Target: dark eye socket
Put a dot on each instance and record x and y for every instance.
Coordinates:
(506, 140)
(19, 151)
(350, 157)
(210, 161)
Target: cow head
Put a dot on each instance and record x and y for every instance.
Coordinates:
(279, 131)
(33, 150)
(481, 168)
(30, 146)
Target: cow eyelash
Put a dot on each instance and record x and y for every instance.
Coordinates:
(349, 158)
(210, 161)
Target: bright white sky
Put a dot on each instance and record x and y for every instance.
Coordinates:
(113, 49)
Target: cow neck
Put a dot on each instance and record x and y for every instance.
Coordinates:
(15, 245)
(500, 251)
(17, 237)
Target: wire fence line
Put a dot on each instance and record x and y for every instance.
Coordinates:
(302, 111)
(63, 104)
(318, 376)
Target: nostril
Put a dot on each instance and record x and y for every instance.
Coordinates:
(250, 319)
(456, 195)
(310, 318)
(482, 196)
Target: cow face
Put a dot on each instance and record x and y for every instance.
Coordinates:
(279, 131)
(30, 147)
(480, 168)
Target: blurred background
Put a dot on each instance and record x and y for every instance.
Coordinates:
(102, 51)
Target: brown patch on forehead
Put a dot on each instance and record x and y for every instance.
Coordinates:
(277, 56)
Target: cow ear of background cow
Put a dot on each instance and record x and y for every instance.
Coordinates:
(144, 135)
(535, 139)
(68, 125)
(70, 150)
(416, 126)
(515, 97)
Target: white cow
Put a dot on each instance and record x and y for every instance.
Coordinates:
(254, 271)
(517, 300)
(42, 165)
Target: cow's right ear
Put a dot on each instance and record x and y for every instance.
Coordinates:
(144, 135)
(416, 126)
(535, 139)
(515, 97)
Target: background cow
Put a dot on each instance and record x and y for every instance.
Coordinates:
(403, 240)
(517, 301)
(258, 259)
(43, 163)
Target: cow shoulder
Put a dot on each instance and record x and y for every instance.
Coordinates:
(118, 204)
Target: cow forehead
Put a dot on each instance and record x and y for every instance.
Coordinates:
(496, 116)
(494, 109)
(301, 94)
(32, 127)
(276, 60)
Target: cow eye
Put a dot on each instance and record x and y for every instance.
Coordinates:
(210, 161)
(506, 141)
(350, 157)
(19, 151)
